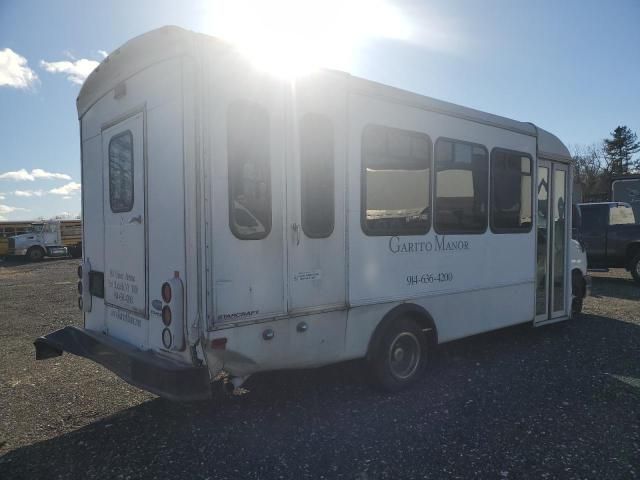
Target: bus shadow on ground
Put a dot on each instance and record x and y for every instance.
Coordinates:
(516, 390)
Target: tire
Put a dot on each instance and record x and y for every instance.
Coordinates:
(35, 254)
(398, 356)
(576, 306)
(634, 268)
(578, 290)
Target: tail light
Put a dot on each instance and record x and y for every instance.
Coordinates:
(219, 343)
(167, 338)
(166, 292)
(84, 299)
(166, 315)
(173, 313)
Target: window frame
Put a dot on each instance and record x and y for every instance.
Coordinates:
(435, 187)
(230, 215)
(303, 189)
(499, 230)
(363, 184)
(133, 201)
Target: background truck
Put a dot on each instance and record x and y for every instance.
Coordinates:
(11, 229)
(610, 235)
(50, 238)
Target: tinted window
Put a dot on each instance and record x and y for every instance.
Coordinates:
(395, 182)
(316, 165)
(121, 172)
(594, 218)
(461, 187)
(511, 182)
(249, 171)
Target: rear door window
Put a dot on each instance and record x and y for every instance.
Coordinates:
(121, 172)
(316, 175)
(249, 171)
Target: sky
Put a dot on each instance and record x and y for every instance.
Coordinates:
(572, 66)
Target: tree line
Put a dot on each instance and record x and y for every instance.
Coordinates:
(596, 164)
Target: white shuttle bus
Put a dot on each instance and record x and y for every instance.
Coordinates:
(235, 222)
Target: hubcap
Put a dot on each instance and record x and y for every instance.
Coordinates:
(404, 355)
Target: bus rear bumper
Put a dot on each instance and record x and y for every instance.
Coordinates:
(143, 369)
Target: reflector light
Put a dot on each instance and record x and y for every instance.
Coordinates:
(166, 338)
(219, 343)
(166, 315)
(80, 287)
(166, 292)
(80, 271)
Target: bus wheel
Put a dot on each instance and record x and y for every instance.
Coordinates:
(578, 291)
(399, 356)
(634, 267)
(35, 254)
(576, 306)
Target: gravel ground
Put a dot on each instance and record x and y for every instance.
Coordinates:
(561, 401)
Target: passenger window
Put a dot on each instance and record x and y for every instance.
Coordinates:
(396, 176)
(121, 172)
(511, 183)
(621, 215)
(594, 218)
(316, 176)
(461, 187)
(249, 171)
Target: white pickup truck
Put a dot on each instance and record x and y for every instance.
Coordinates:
(50, 238)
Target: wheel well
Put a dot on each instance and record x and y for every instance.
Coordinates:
(632, 251)
(407, 310)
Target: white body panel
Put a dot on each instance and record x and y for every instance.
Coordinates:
(287, 299)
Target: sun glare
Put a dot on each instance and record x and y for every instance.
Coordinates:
(290, 38)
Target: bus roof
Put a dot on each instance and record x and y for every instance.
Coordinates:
(171, 41)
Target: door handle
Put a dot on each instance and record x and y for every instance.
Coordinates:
(296, 228)
(137, 219)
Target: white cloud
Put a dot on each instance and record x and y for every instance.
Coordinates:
(28, 193)
(14, 71)
(39, 173)
(2, 197)
(22, 174)
(66, 190)
(8, 209)
(103, 53)
(67, 197)
(76, 71)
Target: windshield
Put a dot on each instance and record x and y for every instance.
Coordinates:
(37, 227)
